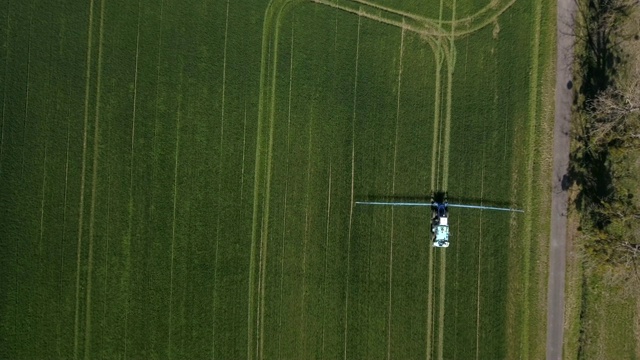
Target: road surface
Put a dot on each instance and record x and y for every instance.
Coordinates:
(559, 198)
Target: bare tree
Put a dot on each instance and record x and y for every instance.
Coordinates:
(615, 115)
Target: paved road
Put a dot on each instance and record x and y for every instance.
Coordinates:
(559, 198)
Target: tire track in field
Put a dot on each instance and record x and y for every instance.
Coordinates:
(451, 58)
(96, 133)
(264, 231)
(4, 92)
(44, 163)
(266, 100)
(43, 188)
(154, 140)
(500, 5)
(513, 279)
(306, 230)
(82, 178)
(219, 205)
(282, 255)
(360, 12)
(286, 193)
(106, 254)
(479, 277)
(26, 104)
(439, 58)
(353, 155)
(175, 201)
(435, 153)
(378, 18)
(326, 264)
(64, 212)
(423, 25)
(368, 292)
(39, 250)
(133, 125)
(457, 267)
(456, 283)
(479, 261)
(441, 304)
(393, 191)
(131, 163)
(157, 92)
(326, 267)
(528, 223)
(430, 261)
(483, 17)
(426, 30)
(244, 147)
(258, 306)
(252, 314)
(473, 26)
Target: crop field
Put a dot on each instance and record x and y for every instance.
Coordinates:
(178, 178)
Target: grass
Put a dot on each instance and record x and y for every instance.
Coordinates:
(370, 322)
(125, 294)
(608, 320)
(185, 189)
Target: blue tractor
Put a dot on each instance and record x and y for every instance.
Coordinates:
(440, 224)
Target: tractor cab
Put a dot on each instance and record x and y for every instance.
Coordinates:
(440, 225)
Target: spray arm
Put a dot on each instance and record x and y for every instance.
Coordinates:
(485, 208)
(392, 203)
(434, 204)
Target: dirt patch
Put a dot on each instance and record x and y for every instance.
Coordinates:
(496, 29)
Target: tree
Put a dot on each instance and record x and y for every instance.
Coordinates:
(614, 115)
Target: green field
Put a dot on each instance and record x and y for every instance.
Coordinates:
(177, 179)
